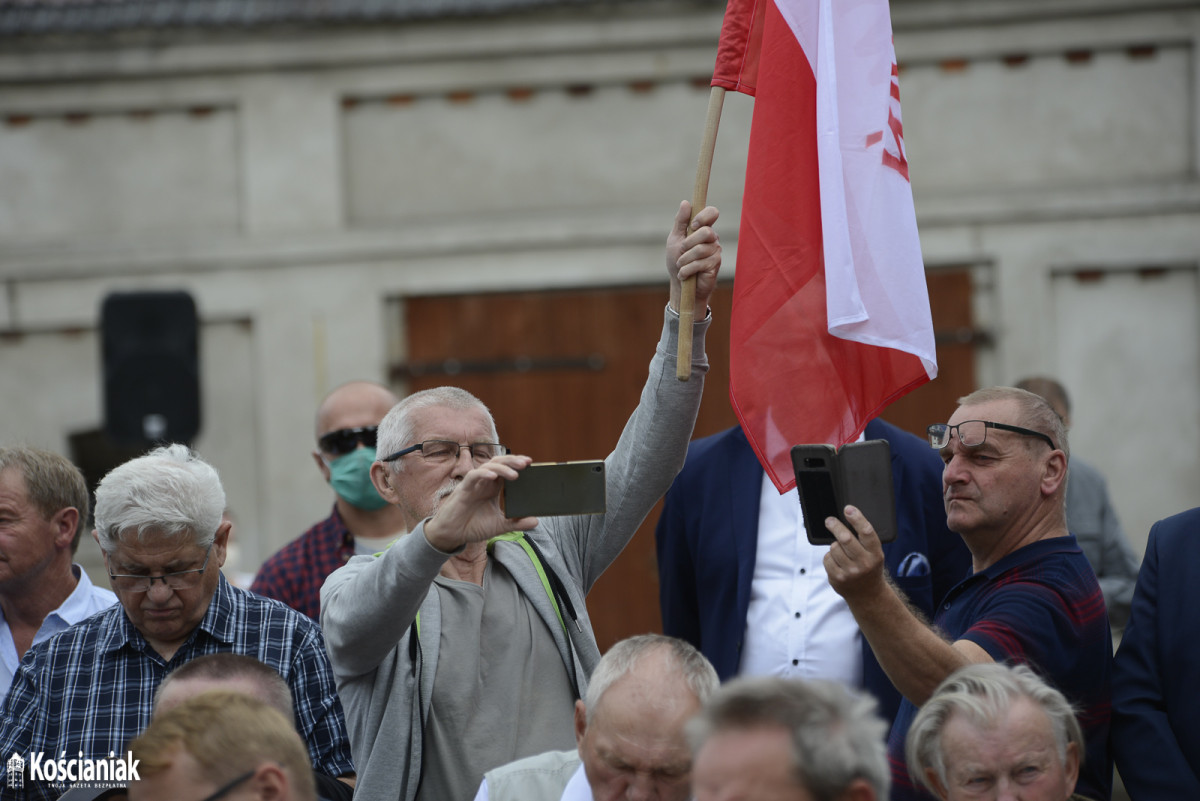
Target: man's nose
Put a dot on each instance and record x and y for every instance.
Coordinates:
(640, 788)
(463, 461)
(159, 591)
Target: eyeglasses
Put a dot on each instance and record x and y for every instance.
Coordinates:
(229, 787)
(973, 433)
(443, 451)
(179, 580)
(344, 440)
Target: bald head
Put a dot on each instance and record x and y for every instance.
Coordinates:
(353, 405)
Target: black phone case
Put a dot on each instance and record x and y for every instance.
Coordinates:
(860, 474)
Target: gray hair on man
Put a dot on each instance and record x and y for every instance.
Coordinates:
(1035, 413)
(169, 491)
(397, 429)
(983, 694)
(836, 734)
(699, 674)
(52, 482)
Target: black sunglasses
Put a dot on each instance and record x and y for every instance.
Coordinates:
(344, 440)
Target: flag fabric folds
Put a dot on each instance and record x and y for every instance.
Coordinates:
(831, 318)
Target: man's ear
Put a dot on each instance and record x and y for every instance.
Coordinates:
(1054, 473)
(383, 479)
(580, 723)
(65, 521)
(859, 790)
(1071, 767)
(270, 783)
(221, 541)
(324, 468)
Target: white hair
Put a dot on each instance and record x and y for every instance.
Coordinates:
(983, 694)
(693, 667)
(170, 491)
(397, 430)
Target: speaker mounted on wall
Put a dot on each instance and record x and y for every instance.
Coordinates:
(150, 348)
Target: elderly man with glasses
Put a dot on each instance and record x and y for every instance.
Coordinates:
(361, 522)
(465, 645)
(1031, 597)
(86, 692)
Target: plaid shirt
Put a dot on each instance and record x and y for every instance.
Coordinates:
(90, 688)
(1041, 605)
(296, 572)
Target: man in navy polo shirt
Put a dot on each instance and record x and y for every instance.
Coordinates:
(1032, 597)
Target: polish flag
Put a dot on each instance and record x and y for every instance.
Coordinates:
(831, 318)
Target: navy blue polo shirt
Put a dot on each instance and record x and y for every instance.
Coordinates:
(1041, 606)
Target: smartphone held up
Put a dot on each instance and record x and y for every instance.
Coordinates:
(829, 479)
(547, 489)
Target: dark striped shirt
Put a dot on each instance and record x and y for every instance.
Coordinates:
(1041, 605)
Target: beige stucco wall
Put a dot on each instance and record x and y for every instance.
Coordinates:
(299, 184)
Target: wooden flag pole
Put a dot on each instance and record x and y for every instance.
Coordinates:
(687, 301)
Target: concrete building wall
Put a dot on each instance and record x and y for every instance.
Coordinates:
(301, 184)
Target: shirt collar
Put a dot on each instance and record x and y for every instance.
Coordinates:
(1032, 552)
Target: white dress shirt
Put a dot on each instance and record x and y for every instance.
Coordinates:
(796, 625)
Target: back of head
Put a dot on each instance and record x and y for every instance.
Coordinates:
(836, 734)
(1054, 393)
(398, 428)
(52, 483)
(1033, 412)
(227, 735)
(685, 667)
(983, 694)
(226, 670)
(169, 491)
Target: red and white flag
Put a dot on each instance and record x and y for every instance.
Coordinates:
(831, 318)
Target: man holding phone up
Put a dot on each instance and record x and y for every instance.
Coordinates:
(1031, 598)
(455, 652)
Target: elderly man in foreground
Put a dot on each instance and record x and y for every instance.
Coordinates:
(772, 738)
(89, 690)
(1032, 597)
(465, 645)
(991, 731)
(630, 733)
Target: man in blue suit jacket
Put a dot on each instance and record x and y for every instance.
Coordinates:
(707, 538)
(1155, 725)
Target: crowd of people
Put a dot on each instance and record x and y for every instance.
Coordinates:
(419, 645)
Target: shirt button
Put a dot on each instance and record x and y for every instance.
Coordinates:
(795, 661)
(797, 615)
(803, 571)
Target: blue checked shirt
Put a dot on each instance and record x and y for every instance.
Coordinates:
(90, 689)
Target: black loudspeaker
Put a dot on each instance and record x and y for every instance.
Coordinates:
(151, 367)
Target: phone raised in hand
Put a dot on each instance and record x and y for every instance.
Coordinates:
(547, 489)
(859, 474)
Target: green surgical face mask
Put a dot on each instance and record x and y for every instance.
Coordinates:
(350, 477)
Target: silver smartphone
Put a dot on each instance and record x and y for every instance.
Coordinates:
(547, 489)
